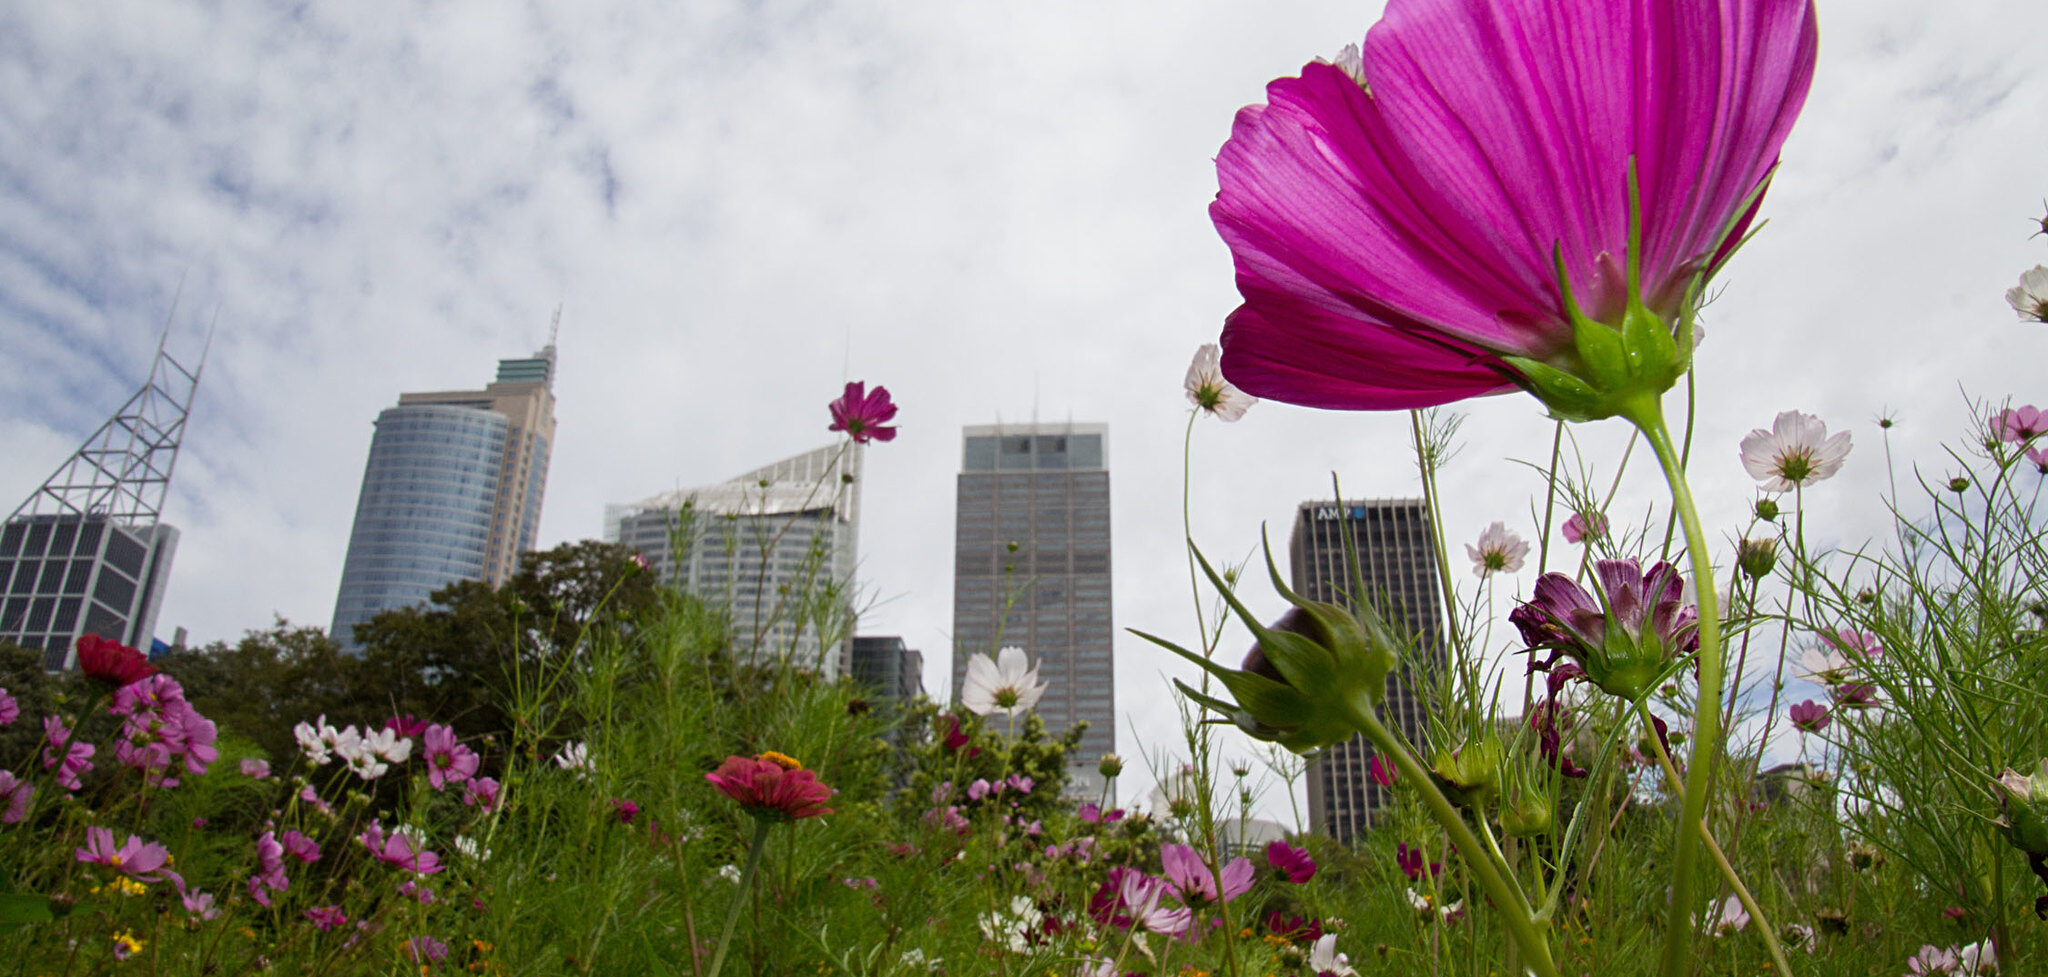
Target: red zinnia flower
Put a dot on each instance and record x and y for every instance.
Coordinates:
(769, 790)
(111, 661)
(861, 414)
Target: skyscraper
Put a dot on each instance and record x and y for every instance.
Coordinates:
(452, 491)
(1397, 562)
(776, 546)
(1031, 569)
(88, 552)
(887, 667)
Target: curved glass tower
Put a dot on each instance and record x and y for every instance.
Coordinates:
(452, 491)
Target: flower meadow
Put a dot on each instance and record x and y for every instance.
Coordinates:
(586, 771)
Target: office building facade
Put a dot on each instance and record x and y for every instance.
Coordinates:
(888, 668)
(451, 491)
(1031, 568)
(88, 553)
(776, 547)
(1396, 561)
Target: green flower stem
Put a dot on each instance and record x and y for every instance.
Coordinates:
(1647, 412)
(739, 898)
(1535, 947)
(1749, 904)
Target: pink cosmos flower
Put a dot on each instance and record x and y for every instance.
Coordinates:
(1810, 717)
(1859, 643)
(326, 917)
(769, 790)
(448, 761)
(71, 759)
(1195, 884)
(862, 415)
(199, 904)
(298, 846)
(1381, 772)
(1855, 695)
(1400, 223)
(1583, 526)
(9, 709)
(16, 793)
(2020, 424)
(399, 849)
(1294, 863)
(481, 792)
(143, 862)
(425, 949)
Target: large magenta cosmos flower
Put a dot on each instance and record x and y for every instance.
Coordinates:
(1399, 221)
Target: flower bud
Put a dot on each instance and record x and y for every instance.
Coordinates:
(1307, 676)
(1110, 766)
(1469, 773)
(2026, 809)
(1756, 557)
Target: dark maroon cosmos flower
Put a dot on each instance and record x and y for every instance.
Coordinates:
(1294, 863)
(111, 661)
(1809, 717)
(862, 415)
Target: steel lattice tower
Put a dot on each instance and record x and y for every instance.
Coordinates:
(88, 552)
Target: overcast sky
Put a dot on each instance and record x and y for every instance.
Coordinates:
(996, 210)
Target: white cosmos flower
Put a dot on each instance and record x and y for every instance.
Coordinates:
(1795, 451)
(1323, 958)
(2030, 297)
(1007, 683)
(386, 743)
(1497, 551)
(314, 741)
(575, 757)
(1209, 391)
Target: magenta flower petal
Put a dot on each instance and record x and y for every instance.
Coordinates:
(1392, 245)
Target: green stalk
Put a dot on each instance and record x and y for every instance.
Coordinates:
(1647, 412)
(739, 898)
(1514, 910)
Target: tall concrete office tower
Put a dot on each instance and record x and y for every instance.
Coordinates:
(88, 553)
(1031, 569)
(452, 491)
(775, 546)
(1397, 562)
